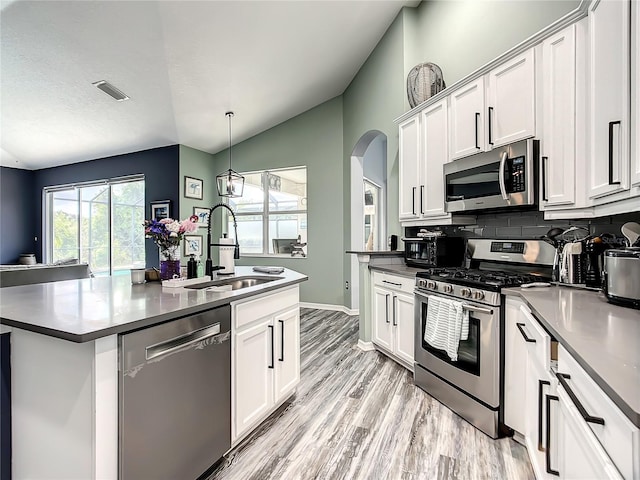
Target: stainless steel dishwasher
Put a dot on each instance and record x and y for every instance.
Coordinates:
(175, 397)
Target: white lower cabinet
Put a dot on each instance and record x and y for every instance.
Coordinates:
(580, 454)
(266, 357)
(528, 383)
(571, 428)
(393, 313)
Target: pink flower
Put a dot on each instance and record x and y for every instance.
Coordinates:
(187, 225)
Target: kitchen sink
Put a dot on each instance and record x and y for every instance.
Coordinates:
(236, 283)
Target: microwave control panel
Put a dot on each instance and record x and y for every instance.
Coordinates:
(516, 167)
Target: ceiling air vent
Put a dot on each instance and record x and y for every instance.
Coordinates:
(111, 90)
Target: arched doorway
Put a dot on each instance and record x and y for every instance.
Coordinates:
(368, 214)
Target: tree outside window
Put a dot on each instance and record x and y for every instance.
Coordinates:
(99, 223)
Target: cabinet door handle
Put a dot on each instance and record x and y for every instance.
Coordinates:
(490, 126)
(541, 384)
(413, 200)
(281, 322)
(272, 362)
(393, 304)
(547, 455)
(477, 123)
(562, 378)
(386, 304)
(523, 333)
(421, 199)
(611, 125)
(544, 178)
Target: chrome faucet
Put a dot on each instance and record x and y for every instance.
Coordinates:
(209, 268)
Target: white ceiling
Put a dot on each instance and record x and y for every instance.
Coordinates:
(182, 63)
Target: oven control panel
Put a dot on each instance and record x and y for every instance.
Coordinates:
(427, 286)
(507, 247)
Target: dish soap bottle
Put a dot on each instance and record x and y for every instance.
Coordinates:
(200, 269)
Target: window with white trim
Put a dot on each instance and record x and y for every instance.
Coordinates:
(99, 223)
(272, 212)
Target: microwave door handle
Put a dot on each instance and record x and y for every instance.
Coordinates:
(503, 188)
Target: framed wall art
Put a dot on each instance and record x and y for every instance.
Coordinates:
(193, 245)
(160, 209)
(203, 216)
(193, 188)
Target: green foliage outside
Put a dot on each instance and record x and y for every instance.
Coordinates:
(127, 212)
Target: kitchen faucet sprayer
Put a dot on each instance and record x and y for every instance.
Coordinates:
(209, 268)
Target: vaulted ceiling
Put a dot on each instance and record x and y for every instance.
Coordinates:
(182, 63)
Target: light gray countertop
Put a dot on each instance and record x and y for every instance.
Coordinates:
(603, 338)
(86, 309)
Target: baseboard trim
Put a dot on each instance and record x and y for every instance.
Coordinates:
(366, 346)
(334, 308)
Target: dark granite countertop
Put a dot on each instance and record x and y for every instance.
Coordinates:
(390, 253)
(396, 269)
(603, 338)
(87, 309)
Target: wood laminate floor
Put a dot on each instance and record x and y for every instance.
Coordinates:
(358, 415)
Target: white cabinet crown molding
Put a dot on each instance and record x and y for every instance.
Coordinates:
(579, 12)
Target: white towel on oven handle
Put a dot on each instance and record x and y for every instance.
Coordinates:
(447, 323)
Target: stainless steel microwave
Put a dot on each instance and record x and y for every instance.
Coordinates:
(503, 177)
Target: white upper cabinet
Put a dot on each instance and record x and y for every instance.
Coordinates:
(409, 158)
(511, 100)
(558, 125)
(466, 125)
(609, 42)
(495, 109)
(434, 133)
(635, 95)
(423, 150)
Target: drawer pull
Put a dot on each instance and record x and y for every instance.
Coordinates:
(392, 283)
(523, 333)
(547, 455)
(541, 384)
(386, 307)
(562, 378)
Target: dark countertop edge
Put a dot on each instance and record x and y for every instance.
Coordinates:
(149, 321)
(400, 270)
(391, 253)
(631, 414)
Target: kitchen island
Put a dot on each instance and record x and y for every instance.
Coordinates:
(64, 359)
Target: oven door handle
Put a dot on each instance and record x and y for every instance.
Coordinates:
(471, 308)
(503, 187)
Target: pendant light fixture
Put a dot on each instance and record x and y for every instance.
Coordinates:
(230, 183)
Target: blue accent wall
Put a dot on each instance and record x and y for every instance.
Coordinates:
(161, 169)
(19, 221)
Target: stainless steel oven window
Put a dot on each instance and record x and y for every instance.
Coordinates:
(469, 353)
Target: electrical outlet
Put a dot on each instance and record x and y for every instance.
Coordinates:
(346, 285)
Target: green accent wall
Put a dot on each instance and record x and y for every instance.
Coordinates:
(458, 35)
(198, 164)
(312, 139)
(463, 35)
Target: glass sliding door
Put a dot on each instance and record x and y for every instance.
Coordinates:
(98, 223)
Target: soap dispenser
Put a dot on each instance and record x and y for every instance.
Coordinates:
(192, 267)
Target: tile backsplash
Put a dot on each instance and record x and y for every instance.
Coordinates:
(532, 224)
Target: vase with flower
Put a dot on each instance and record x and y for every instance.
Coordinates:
(167, 235)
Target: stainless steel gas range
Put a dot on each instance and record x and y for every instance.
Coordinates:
(472, 384)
